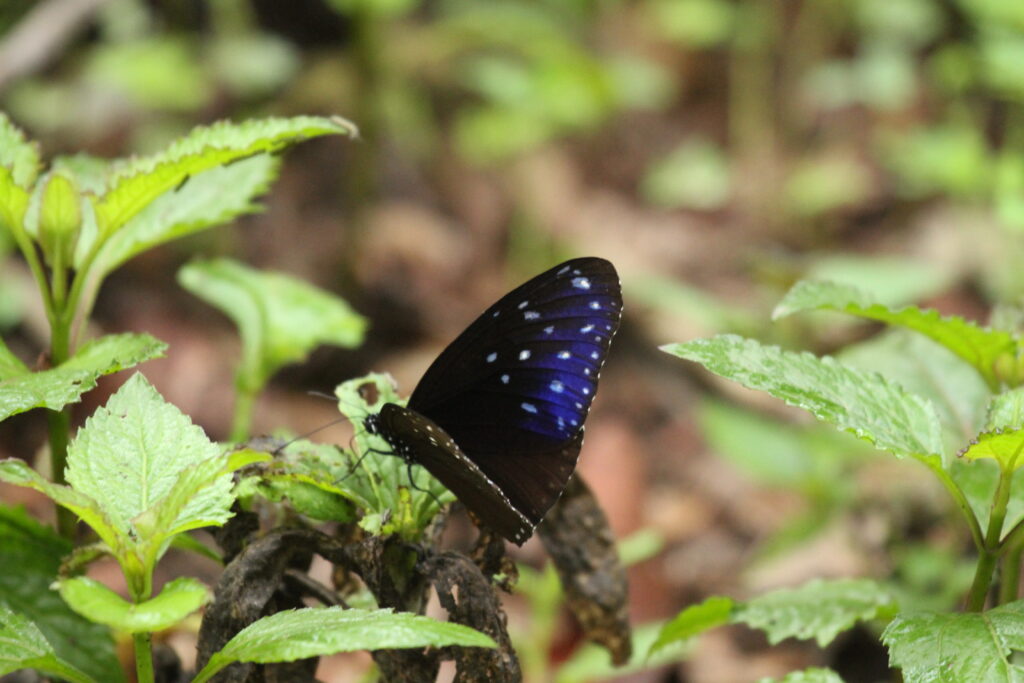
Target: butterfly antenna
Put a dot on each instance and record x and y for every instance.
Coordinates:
(321, 394)
(306, 435)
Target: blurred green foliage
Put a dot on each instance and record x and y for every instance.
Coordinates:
(857, 103)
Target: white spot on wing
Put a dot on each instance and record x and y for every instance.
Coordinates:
(524, 354)
(529, 407)
(595, 355)
(596, 305)
(581, 282)
(504, 379)
(531, 315)
(586, 328)
(564, 355)
(563, 271)
(549, 329)
(557, 386)
(523, 304)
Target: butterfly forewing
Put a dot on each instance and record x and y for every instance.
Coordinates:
(514, 389)
(418, 438)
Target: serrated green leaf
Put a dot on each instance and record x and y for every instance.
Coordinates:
(14, 471)
(131, 453)
(23, 646)
(178, 599)
(928, 369)
(819, 609)
(812, 675)
(281, 319)
(1005, 448)
(64, 384)
(18, 155)
(299, 634)
(201, 496)
(980, 346)
(863, 403)
(32, 554)
(968, 647)
(694, 620)
(137, 183)
(211, 198)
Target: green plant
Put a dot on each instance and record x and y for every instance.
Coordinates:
(953, 405)
(139, 473)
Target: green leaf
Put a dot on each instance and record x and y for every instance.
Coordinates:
(22, 390)
(210, 198)
(819, 609)
(863, 403)
(201, 496)
(31, 556)
(137, 183)
(980, 346)
(299, 634)
(1003, 438)
(1006, 411)
(19, 167)
(928, 369)
(892, 280)
(14, 471)
(1005, 448)
(94, 601)
(60, 218)
(281, 319)
(383, 480)
(17, 155)
(13, 203)
(958, 647)
(694, 620)
(812, 675)
(23, 646)
(132, 452)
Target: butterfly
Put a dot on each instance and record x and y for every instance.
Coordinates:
(498, 417)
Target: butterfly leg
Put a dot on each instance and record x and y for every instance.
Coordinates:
(412, 483)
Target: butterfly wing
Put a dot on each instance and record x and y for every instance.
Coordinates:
(419, 439)
(514, 389)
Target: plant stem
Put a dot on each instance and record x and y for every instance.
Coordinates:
(1010, 579)
(935, 465)
(241, 423)
(143, 657)
(990, 553)
(59, 423)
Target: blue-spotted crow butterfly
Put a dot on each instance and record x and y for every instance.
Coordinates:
(498, 417)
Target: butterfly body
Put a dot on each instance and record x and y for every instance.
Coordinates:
(498, 417)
